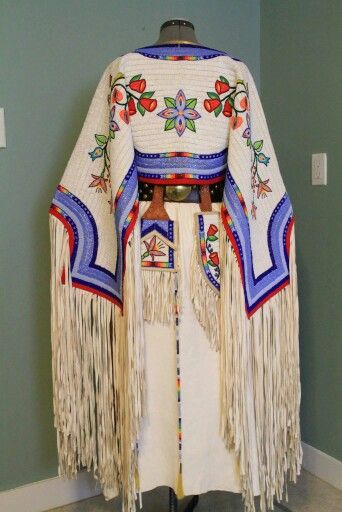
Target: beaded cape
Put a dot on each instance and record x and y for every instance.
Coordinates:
(173, 114)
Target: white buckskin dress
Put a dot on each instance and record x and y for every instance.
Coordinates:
(175, 342)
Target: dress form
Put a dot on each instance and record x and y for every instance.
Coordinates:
(176, 30)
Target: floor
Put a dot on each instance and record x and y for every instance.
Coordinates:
(310, 494)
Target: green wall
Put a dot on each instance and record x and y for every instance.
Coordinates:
(52, 53)
(301, 77)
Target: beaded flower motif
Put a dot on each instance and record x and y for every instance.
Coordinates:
(180, 113)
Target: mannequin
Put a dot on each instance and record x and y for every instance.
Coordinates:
(175, 30)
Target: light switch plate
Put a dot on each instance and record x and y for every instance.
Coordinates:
(2, 129)
(319, 169)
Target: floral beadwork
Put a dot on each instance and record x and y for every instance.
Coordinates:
(232, 101)
(123, 102)
(153, 248)
(226, 99)
(180, 113)
(212, 255)
(117, 109)
(117, 101)
(158, 244)
(208, 247)
(101, 151)
(101, 182)
(142, 101)
(259, 186)
(137, 99)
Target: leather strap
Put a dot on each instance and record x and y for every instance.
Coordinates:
(205, 199)
(156, 210)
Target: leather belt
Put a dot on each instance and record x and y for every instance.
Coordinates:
(181, 193)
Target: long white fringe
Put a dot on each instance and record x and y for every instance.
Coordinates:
(204, 299)
(98, 376)
(269, 342)
(158, 295)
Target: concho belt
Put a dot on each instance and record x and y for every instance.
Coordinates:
(181, 193)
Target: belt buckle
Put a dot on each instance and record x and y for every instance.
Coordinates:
(177, 192)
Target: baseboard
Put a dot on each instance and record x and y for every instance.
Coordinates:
(46, 494)
(56, 492)
(322, 465)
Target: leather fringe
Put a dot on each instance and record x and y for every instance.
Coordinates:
(158, 292)
(265, 346)
(204, 299)
(179, 486)
(98, 375)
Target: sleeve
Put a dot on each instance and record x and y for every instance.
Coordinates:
(99, 183)
(256, 201)
(96, 379)
(91, 153)
(259, 279)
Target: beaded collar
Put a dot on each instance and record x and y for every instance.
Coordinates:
(180, 51)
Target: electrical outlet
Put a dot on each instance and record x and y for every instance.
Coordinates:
(319, 169)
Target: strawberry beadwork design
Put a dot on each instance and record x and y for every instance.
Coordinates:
(117, 114)
(228, 99)
(179, 113)
(138, 99)
(233, 102)
(208, 243)
(117, 101)
(212, 254)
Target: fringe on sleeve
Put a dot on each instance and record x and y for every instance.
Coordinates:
(264, 349)
(98, 377)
